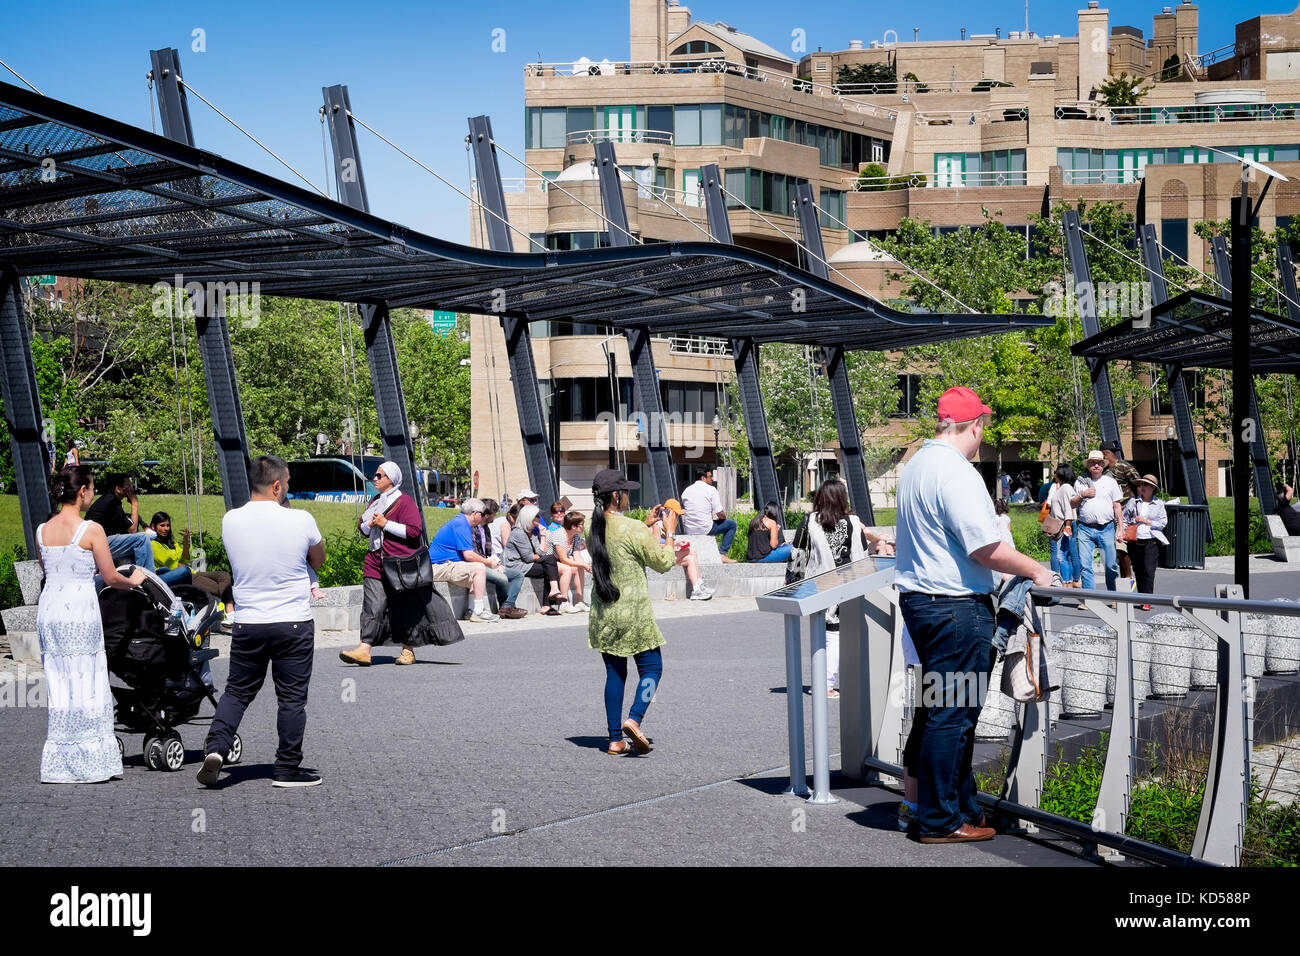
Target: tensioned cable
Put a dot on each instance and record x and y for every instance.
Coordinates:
(20, 76)
(1267, 284)
(804, 250)
(268, 149)
(180, 421)
(1141, 265)
(895, 258)
(153, 122)
(554, 184)
(677, 212)
(446, 182)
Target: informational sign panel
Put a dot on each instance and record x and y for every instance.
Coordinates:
(444, 323)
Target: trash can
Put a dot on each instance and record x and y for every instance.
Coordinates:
(1187, 531)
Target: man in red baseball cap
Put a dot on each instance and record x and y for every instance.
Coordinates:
(948, 547)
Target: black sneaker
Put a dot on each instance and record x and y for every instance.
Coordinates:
(298, 778)
(210, 770)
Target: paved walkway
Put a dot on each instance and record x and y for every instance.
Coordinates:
(489, 752)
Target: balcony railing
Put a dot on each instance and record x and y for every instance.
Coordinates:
(699, 345)
(1215, 113)
(652, 136)
(1101, 177)
(712, 65)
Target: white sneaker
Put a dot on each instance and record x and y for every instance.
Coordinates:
(702, 593)
(581, 606)
(487, 617)
(568, 608)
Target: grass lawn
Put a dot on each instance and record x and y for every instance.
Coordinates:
(331, 517)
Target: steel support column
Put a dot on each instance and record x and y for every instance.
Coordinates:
(381, 350)
(23, 410)
(745, 353)
(1183, 424)
(1258, 456)
(209, 313)
(662, 483)
(837, 369)
(1086, 298)
(540, 459)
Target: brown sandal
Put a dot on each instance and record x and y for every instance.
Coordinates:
(623, 748)
(639, 740)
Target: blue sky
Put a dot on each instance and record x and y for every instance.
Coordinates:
(416, 71)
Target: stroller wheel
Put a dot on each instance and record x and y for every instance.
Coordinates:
(153, 753)
(173, 752)
(236, 751)
(121, 747)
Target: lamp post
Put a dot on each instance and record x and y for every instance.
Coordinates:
(717, 427)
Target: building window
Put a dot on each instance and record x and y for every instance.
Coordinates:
(697, 48)
(832, 203)
(691, 188)
(546, 127)
(1173, 236)
(763, 190)
(909, 396)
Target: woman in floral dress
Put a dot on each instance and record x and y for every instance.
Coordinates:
(622, 624)
(80, 746)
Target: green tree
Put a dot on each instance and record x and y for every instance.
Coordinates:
(877, 77)
(435, 381)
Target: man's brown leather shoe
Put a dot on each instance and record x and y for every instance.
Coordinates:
(963, 834)
(513, 613)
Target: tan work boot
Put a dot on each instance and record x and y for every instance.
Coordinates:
(358, 655)
(407, 656)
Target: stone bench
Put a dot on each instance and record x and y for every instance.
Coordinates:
(727, 580)
(705, 548)
(1286, 547)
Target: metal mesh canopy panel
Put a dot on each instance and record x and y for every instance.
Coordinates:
(86, 196)
(1194, 330)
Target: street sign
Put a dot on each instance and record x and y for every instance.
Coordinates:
(42, 280)
(444, 323)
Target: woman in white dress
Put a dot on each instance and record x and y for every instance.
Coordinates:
(80, 746)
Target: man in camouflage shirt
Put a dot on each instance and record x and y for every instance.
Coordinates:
(1125, 476)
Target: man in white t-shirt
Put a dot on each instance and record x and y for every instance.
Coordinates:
(1100, 522)
(704, 513)
(270, 548)
(948, 548)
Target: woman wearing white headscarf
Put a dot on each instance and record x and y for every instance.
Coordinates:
(394, 526)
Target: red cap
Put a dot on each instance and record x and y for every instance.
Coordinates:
(961, 405)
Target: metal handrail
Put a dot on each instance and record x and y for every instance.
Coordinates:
(872, 672)
(653, 136)
(707, 65)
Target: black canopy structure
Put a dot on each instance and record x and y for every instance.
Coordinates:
(1194, 330)
(86, 196)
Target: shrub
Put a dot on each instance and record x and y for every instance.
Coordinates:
(344, 553)
(11, 594)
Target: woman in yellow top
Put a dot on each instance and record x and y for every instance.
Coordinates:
(172, 562)
(622, 624)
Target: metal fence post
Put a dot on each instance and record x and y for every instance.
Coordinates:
(821, 749)
(1221, 829)
(1111, 812)
(794, 707)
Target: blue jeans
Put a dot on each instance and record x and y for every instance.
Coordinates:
(1012, 597)
(780, 554)
(1065, 558)
(499, 578)
(1104, 538)
(953, 638)
(138, 547)
(649, 668)
(178, 575)
(726, 528)
(515, 584)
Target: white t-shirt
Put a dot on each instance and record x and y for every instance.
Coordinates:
(700, 502)
(267, 546)
(498, 536)
(945, 515)
(1101, 508)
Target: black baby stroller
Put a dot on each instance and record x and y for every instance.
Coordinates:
(158, 639)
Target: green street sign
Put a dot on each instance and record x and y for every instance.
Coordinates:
(444, 323)
(42, 280)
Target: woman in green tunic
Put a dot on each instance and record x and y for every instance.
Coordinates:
(622, 624)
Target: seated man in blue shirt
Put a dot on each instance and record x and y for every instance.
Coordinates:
(456, 562)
